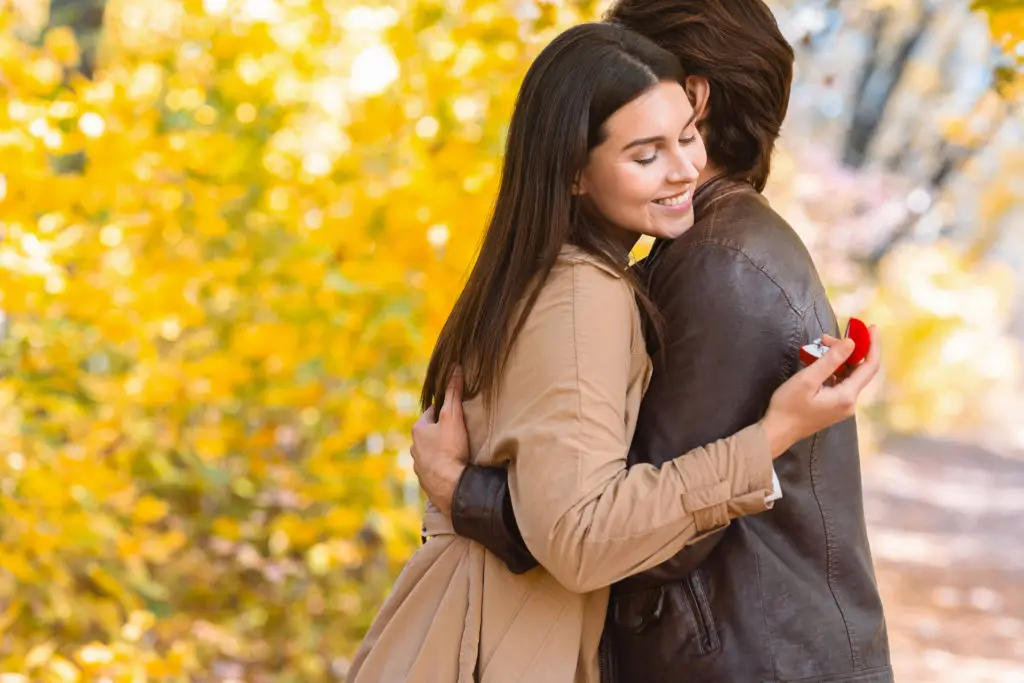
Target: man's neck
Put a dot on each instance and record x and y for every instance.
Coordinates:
(710, 171)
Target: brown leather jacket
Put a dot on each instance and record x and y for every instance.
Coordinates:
(784, 596)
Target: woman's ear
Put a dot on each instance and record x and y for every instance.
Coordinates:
(698, 90)
(579, 187)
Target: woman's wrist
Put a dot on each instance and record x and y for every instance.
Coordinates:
(778, 433)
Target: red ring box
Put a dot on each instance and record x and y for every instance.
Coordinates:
(858, 332)
(812, 352)
(855, 330)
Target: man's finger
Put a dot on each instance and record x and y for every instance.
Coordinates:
(452, 394)
(428, 417)
(822, 369)
(456, 397)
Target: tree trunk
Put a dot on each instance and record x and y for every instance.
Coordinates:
(85, 18)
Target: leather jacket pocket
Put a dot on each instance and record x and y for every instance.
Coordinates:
(663, 629)
(699, 604)
(637, 610)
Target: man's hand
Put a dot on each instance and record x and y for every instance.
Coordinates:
(440, 448)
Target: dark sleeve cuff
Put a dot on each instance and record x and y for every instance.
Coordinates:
(482, 512)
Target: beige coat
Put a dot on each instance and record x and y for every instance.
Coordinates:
(564, 416)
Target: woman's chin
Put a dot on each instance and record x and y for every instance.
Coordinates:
(671, 232)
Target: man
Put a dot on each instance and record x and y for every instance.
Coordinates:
(787, 595)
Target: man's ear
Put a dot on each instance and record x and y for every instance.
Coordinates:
(698, 90)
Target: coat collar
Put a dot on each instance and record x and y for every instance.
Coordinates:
(574, 254)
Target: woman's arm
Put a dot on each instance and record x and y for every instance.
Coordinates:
(587, 519)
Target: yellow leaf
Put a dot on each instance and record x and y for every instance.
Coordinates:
(227, 528)
(40, 654)
(149, 509)
(65, 671)
(94, 655)
(61, 44)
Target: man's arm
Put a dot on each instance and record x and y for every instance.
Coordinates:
(475, 498)
(482, 511)
(731, 337)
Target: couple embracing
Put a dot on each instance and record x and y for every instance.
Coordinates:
(631, 475)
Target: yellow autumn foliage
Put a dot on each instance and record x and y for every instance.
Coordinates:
(225, 259)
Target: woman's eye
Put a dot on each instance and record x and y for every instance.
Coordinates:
(648, 160)
(688, 140)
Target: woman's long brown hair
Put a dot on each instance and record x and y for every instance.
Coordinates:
(576, 83)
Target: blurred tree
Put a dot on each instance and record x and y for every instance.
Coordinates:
(85, 19)
(1007, 19)
(908, 210)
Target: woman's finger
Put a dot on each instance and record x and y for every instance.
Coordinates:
(867, 370)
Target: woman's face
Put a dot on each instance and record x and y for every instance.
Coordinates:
(642, 177)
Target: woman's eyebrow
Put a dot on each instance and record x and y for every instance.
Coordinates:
(644, 141)
(657, 138)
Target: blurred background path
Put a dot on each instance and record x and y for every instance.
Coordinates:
(947, 527)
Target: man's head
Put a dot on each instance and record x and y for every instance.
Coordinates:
(738, 66)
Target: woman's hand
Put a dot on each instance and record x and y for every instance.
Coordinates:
(809, 401)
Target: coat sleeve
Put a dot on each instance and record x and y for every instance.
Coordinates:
(588, 520)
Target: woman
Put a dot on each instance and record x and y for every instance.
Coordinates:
(601, 149)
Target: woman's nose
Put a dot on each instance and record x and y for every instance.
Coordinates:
(683, 169)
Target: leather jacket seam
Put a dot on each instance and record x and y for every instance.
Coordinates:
(830, 554)
(830, 546)
(786, 371)
(769, 636)
(821, 325)
(790, 368)
(711, 242)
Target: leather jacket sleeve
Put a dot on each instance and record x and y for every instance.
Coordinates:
(731, 337)
(482, 512)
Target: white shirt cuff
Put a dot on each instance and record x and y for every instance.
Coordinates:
(776, 490)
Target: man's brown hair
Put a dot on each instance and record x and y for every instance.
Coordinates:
(737, 46)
